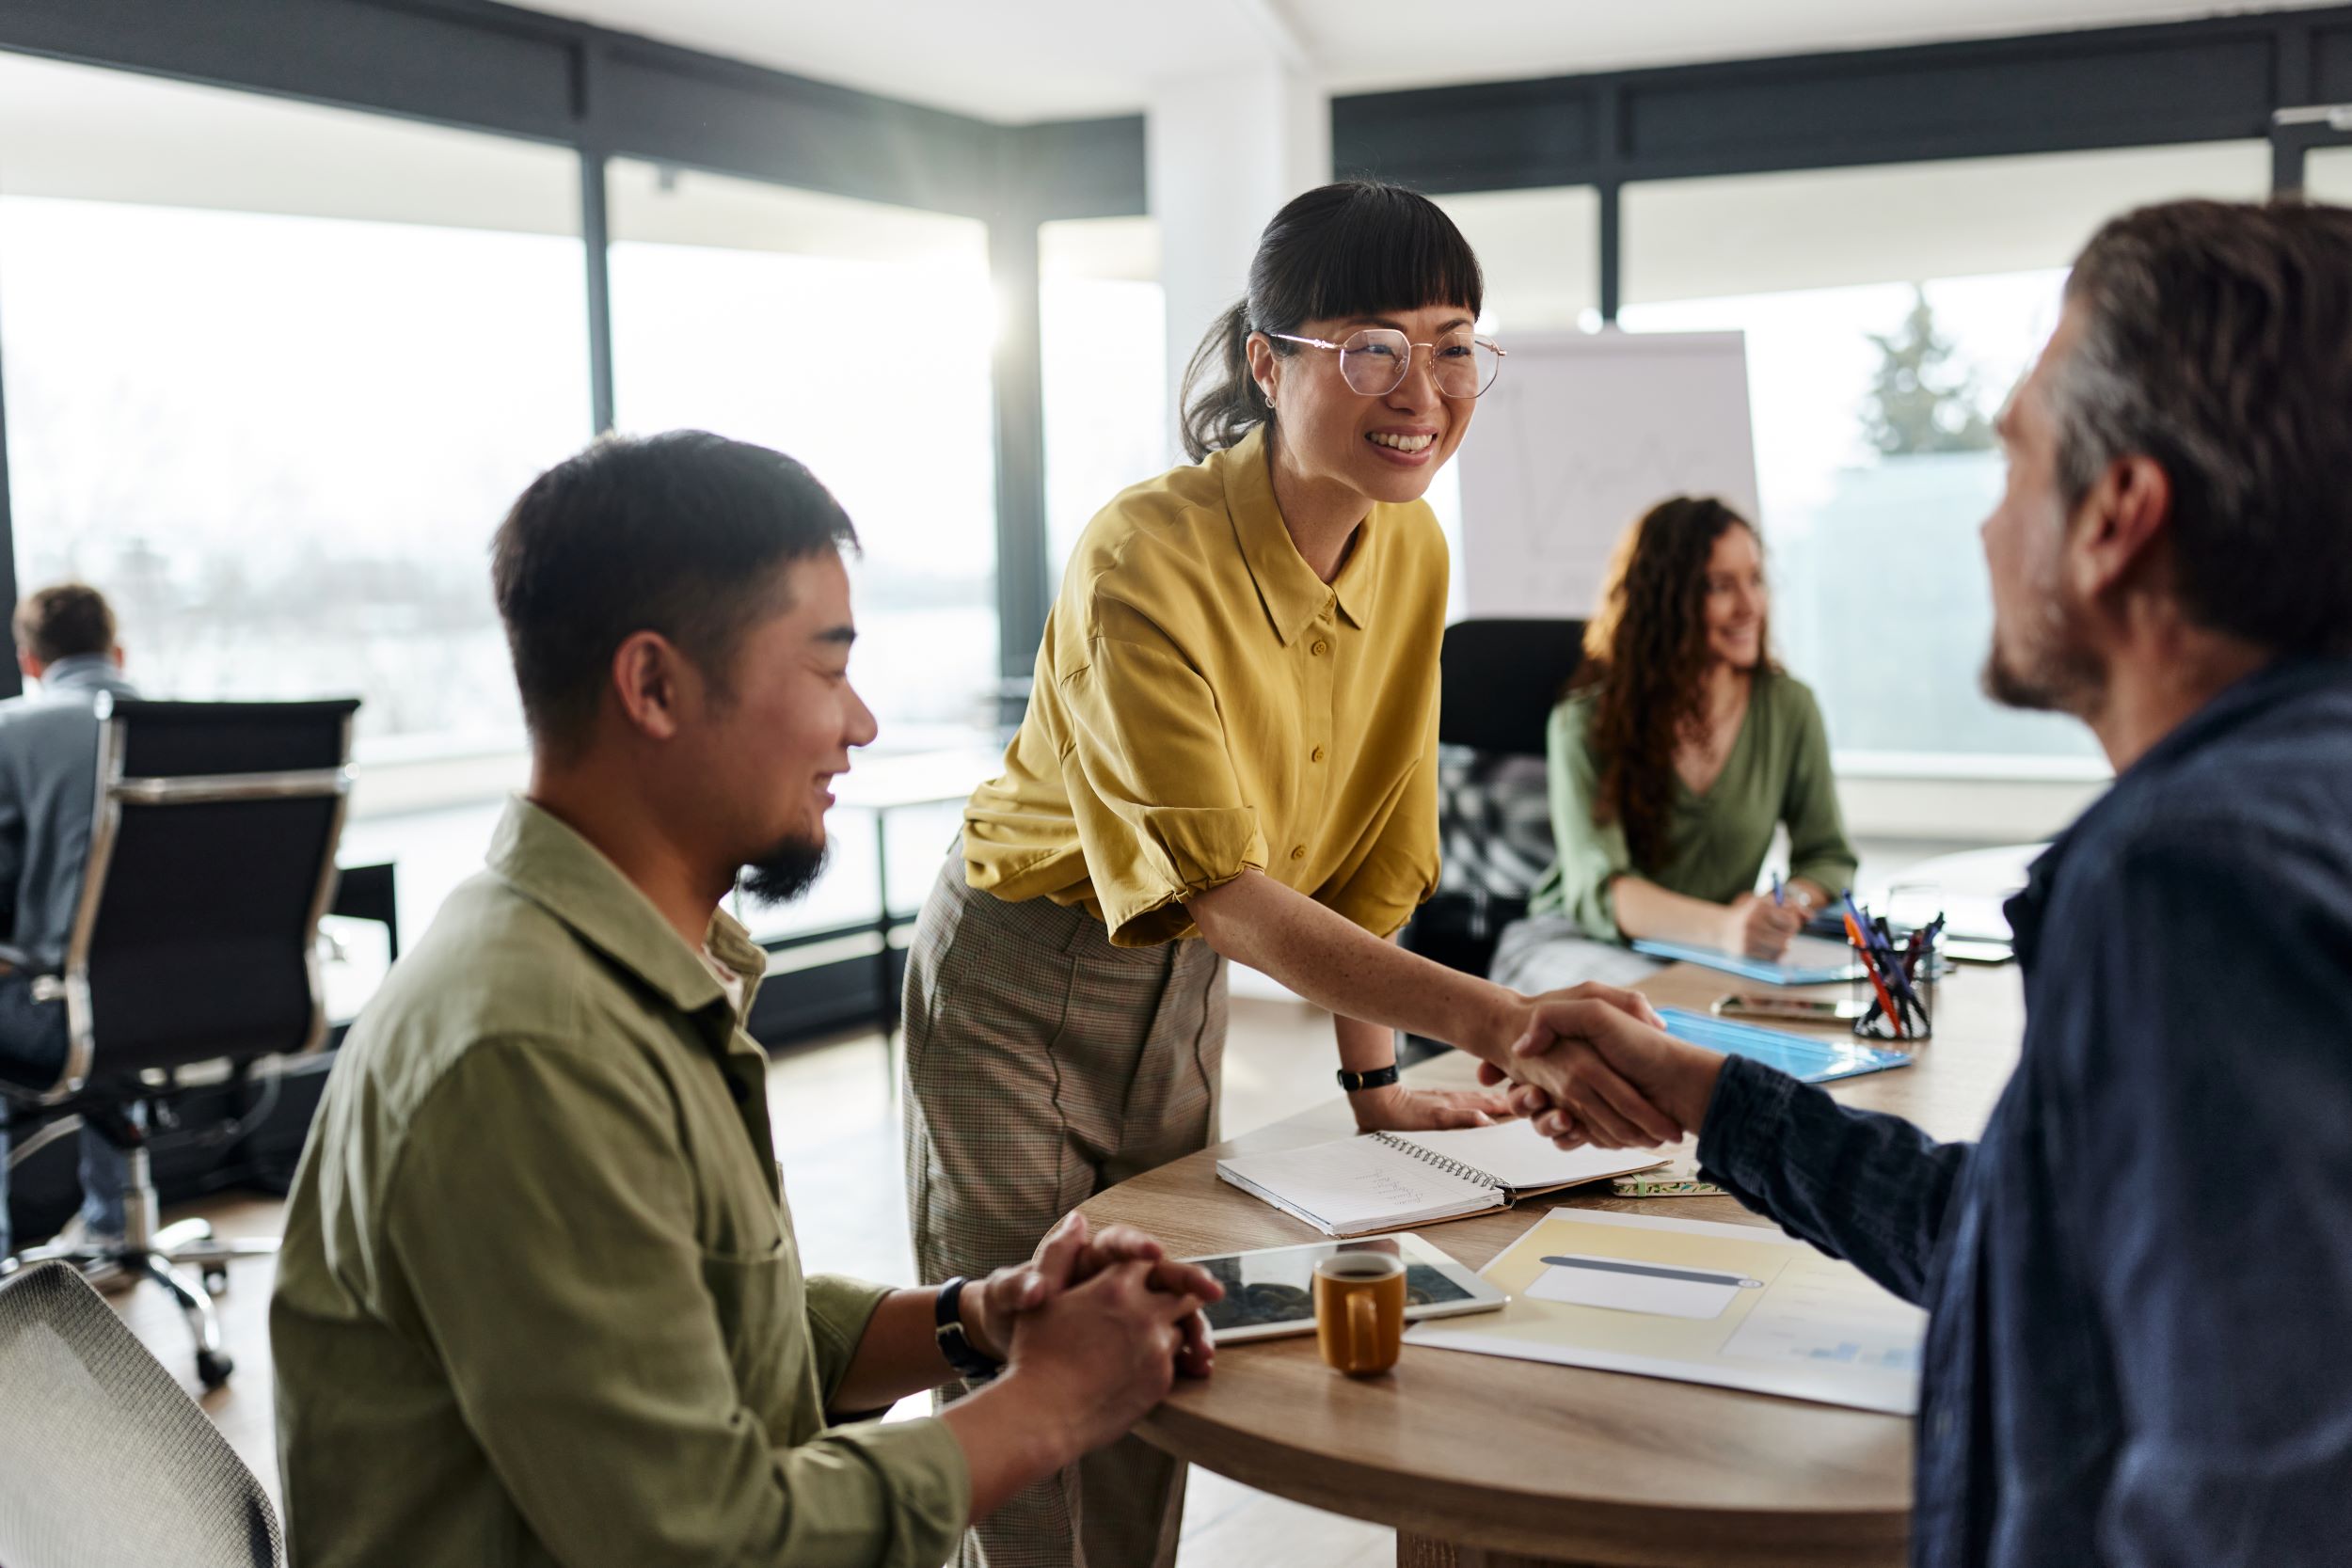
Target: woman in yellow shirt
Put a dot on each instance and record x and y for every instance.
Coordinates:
(1230, 751)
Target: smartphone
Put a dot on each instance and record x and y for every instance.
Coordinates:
(1800, 1009)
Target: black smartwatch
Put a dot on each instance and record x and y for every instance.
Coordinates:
(947, 1319)
(1378, 1078)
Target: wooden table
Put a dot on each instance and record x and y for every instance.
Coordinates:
(1479, 1460)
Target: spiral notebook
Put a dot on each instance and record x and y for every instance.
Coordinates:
(1393, 1180)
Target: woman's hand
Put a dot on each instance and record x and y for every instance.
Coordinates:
(1398, 1109)
(1755, 927)
(1590, 1075)
(1631, 1003)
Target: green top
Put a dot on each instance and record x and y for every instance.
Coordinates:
(1778, 771)
(539, 1300)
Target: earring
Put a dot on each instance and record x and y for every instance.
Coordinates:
(1268, 396)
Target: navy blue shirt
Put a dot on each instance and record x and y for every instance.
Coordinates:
(2140, 1282)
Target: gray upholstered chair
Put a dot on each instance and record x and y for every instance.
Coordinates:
(103, 1459)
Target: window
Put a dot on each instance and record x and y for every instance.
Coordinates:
(859, 337)
(1103, 323)
(1947, 275)
(274, 374)
(1540, 251)
(2328, 174)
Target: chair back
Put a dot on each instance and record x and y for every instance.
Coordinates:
(212, 857)
(103, 1459)
(1499, 680)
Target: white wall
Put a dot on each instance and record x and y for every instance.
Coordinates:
(1224, 152)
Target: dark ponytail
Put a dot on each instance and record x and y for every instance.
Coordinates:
(1230, 400)
(1356, 248)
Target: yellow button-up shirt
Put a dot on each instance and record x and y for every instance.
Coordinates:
(540, 1301)
(1205, 703)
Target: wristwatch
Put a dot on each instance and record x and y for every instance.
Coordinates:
(947, 1319)
(1378, 1078)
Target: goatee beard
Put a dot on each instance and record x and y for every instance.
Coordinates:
(784, 872)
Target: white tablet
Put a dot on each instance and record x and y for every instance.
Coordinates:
(1271, 1292)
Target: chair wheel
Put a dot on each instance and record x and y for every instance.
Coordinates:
(215, 1281)
(213, 1369)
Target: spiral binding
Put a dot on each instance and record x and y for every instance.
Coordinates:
(1462, 1169)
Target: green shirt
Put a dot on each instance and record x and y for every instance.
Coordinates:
(539, 1300)
(1778, 771)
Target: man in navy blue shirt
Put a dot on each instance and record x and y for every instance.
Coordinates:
(2139, 1280)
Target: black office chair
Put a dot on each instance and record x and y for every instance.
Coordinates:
(1498, 681)
(212, 857)
(105, 1460)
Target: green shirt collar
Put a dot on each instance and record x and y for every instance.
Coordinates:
(1293, 595)
(541, 857)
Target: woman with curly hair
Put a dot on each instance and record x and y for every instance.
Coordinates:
(1678, 750)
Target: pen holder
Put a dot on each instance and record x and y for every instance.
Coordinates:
(1914, 998)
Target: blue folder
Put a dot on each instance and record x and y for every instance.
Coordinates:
(1785, 973)
(1811, 1059)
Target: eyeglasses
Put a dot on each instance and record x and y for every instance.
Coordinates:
(1375, 360)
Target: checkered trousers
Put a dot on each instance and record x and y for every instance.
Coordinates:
(1043, 1066)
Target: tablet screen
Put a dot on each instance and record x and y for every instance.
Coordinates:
(1264, 1289)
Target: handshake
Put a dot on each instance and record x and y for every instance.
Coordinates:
(1594, 1064)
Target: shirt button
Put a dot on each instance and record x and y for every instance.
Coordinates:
(1299, 853)
(1315, 756)
(1320, 648)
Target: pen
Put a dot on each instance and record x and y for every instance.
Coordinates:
(1869, 962)
(1897, 972)
(1777, 890)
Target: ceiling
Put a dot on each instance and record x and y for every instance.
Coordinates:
(1022, 60)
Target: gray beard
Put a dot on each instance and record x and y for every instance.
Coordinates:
(2054, 676)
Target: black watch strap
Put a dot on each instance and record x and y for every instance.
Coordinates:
(1378, 1078)
(947, 1320)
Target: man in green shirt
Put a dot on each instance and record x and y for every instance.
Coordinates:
(539, 1300)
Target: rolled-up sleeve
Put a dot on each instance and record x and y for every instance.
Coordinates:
(1152, 786)
(839, 1310)
(581, 1334)
(1593, 854)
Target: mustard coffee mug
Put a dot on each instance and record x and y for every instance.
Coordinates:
(1359, 1310)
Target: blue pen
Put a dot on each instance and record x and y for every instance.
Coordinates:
(1861, 923)
(1776, 898)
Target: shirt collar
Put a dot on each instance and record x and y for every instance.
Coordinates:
(541, 857)
(2237, 704)
(83, 672)
(1294, 596)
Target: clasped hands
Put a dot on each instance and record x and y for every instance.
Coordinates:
(1072, 1254)
(1593, 1064)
